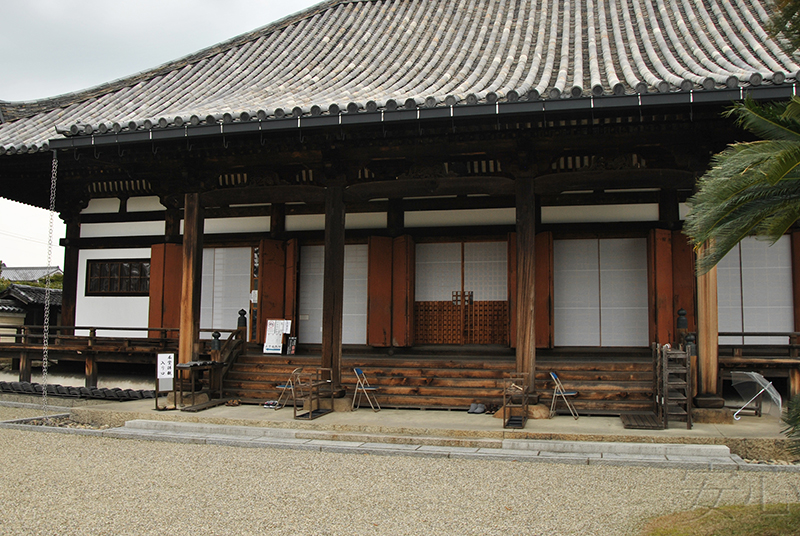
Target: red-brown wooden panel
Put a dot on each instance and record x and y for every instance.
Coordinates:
(403, 291)
(272, 268)
(379, 291)
(290, 283)
(165, 287)
(543, 290)
(662, 317)
(512, 289)
(684, 282)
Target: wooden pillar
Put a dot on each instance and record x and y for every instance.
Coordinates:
(192, 277)
(24, 366)
(707, 340)
(277, 221)
(91, 371)
(333, 290)
(526, 278)
(395, 217)
(69, 292)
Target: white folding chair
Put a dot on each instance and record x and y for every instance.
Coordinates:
(559, 390)
(289, 386)
(363, 388)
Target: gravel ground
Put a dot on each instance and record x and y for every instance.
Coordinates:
(69, 484)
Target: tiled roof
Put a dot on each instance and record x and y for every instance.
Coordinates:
(28, 273)
(349, 56)
(10, 307)
(27, 295)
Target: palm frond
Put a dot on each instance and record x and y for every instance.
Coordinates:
(766, 120)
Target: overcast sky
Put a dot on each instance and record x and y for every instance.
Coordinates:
(51, 47)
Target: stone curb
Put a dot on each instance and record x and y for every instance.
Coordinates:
(696, 457)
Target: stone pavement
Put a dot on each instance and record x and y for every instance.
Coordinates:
(588, 441)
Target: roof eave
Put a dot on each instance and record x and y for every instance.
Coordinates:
(608, 103)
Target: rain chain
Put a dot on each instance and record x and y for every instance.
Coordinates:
(48, 286)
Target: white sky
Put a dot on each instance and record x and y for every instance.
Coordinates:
(53, 47)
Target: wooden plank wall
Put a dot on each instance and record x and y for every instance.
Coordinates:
(271, 283)
(684, 281)
(379, 291)
(403, 255)
(165, 287)
(659, 261)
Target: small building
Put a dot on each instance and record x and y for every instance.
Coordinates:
(29, 302)
(28, 274)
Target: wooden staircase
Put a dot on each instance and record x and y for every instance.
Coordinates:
(608, 381)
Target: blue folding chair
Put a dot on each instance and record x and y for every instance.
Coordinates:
(559, 390)
(289, 387)
(363, 388)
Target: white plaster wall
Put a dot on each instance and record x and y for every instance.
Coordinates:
(250, 224)
(102, 206)
(145, 204)
(129, 228)
(600, 213)
(111, 311)
(458, 218)
(305, 222)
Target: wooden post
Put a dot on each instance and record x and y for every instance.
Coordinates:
(69, 292)
(91, 371)
(192, 277)
(794, 382)
(526, 278)
(24, 367)
(707, 340)
(333, 290)
(277, 221)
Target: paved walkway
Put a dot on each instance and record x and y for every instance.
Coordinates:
(443, 434)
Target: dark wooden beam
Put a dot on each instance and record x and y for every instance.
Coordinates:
(526, 278)
(333, 290)
(277, 221)
(263, 194)
(192, 279)
(69, 293)
(490, 185)
(556, 183)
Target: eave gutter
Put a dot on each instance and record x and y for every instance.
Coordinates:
(588, 104)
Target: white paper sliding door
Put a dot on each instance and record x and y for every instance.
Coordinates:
(354, 319)
(754, 291)
(600, 292)
(227, 276)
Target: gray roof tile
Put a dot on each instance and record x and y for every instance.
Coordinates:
(351, 55)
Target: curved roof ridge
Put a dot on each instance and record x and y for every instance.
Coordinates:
(348, 56)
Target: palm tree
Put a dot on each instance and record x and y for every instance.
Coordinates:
(753, 188)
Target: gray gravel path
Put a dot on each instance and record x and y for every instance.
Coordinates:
(69, 484)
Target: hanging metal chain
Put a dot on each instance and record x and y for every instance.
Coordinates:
(48, 286)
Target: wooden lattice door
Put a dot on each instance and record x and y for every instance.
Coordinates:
(461, 293)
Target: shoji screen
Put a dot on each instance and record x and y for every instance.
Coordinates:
(354, 320)
(600, 292)
(226, 286)
(754, 290)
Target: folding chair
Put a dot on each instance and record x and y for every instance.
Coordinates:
(363, 388)
(288, 388)
(558, 390)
